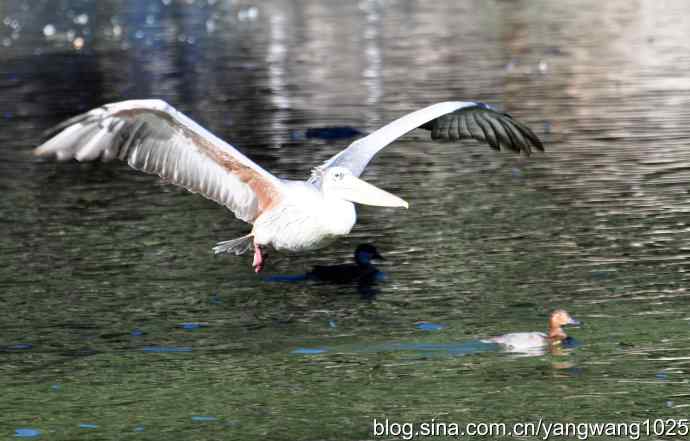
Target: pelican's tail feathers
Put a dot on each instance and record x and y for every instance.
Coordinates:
(238, 246)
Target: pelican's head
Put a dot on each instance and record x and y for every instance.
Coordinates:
(341, 183)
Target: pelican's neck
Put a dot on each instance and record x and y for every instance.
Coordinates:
(338, 214)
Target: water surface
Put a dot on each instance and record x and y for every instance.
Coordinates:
(104, 271)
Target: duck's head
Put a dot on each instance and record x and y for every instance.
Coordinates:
(561, 317)
(557, 320)
(339, 182)
(365, 253)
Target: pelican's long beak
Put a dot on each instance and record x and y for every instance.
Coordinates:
(356, 190)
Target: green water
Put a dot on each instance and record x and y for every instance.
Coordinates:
(101, 266)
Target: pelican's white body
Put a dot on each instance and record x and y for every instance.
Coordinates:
(305, 219)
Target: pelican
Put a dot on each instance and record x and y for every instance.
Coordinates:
(286, 215)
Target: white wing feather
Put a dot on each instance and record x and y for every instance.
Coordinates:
(358, 154)
(447, 121)
(155, 138)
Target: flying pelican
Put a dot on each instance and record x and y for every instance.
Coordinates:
(154, 137)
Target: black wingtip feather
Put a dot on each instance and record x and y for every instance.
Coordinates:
(488, 132)
(529, 134)
(499, 130)
(515, 143)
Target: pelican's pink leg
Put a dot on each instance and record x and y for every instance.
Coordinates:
(259, 260)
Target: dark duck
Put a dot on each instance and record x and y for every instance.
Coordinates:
(363, 272)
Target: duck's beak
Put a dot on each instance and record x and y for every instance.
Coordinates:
(377, 256)
(356, 190)
(574, 322)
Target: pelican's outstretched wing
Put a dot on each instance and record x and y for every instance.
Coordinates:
(451, 120)
(155, 138)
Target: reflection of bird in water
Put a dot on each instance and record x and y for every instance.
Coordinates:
(288, 215)
(535, 343)
(363, 272)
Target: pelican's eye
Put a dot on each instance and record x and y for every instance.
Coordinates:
(338, 175)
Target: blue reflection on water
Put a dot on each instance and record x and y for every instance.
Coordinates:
(26, 433)
(167, 349)
(203, 418)
(455, 349)
(428, 326)
(309, 351)
(192, 325)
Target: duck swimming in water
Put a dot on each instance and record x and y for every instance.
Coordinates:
(152, 136)
(363, 271)
(528, 342)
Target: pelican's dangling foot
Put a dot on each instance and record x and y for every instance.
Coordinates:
(259, 259)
